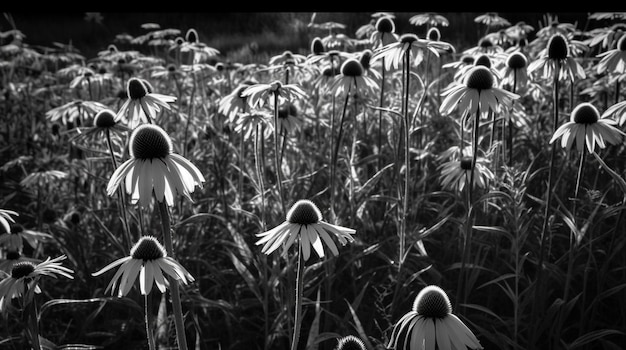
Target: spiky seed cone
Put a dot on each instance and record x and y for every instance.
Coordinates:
(385, 25)
(585, 113)
(352, 68)
(148, 248)
(516, 60)
(480, 78)
(557, 47)
(304, 212)
(136, 88)
(432, 302)
(22, 268)
(104, 118)
(149, 141)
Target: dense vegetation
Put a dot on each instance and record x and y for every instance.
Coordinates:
(448, 157)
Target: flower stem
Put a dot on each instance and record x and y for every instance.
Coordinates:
(380, 115)
(279, 176)
(120, 195)
(299, 292)
(259, 170)
(545, 227)
(29, 313)
(174, 291)
(149, 320)
(335, 155)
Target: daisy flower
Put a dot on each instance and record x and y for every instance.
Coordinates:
(485, 46)
(304, 222)
(42, 178)
(5, 217)
(454, 175)
(142, 104)
(350, 342)
(12, 257)
(288, 120)
(103, 123)
(384, 34)
(476, 92)
(154, 168)
(613, 61)
(492, 19)
(200, 50)
(587, 127)
(515, 73)
(148, 260)
(14, 239)
(519, 30)
(74, 112)
(248, 123)
(556, 54)
(258, 94)
(27, 274)
(395, 53)
(429, 18)
(431, 325)
(234, 103)
(352, 73)
(606, 37)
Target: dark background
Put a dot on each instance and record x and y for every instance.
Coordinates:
(269, 32)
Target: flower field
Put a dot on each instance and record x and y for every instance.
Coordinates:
(375, 189)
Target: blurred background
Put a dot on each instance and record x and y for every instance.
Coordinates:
(243, 35)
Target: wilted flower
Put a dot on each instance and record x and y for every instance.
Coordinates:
(396, 52)
(454, 175)
(614, 61)
(74, 111)
(154, 168)
(5, 217)
(557, 53)
(304, 222)
(429, 18)
(258, 94)
(352, 76)
(431, 325)
(148, 260)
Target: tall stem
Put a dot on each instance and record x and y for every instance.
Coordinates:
(299, 293)
(279, 176)
(173, 284)
(120, 195)
(335, 154)
(149, 321)
(29, 312)
(545, 229)
(380, 115)
(258, 136)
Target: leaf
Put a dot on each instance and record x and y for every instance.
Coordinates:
(620, 181)
(315, 325)
(592, 336)
(359, 328)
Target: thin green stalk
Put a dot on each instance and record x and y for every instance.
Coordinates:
(149, 317)
(335, 154)
(299, 293)
(279, 171)
(407, 157)
(31, 322)
(120, 195)
(545, 227)
(380, 115)
(173, 284)
(189, 116)
(258, 136)
(570, 265)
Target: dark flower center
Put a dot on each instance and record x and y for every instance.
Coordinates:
(408, 38)
(365, 58)
(192, 36)
(432, 302)
(104, 119)
(17, 228)
(467, 59)
(483, 60)
(87, 74)
(317, 46)
(585, 113)
(287, 55)
(149, 141)
(557, 47)
(466, 163)
(304, 212)
(385, 25)
(485, 43)
(148, 248)
(171, 68)
(517, 60)
(352, 68)
(479, 78)
(136, 89)
(22, 269)
(433, 34)
(286, 110)
(350, 342)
